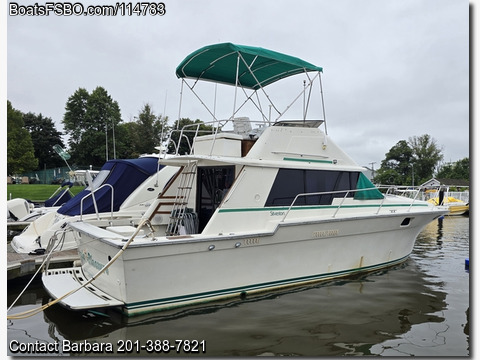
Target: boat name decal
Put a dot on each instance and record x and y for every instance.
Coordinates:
(277, 213)
(325, 233)
(86, 257)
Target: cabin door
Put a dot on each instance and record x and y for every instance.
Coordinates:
(212, 185)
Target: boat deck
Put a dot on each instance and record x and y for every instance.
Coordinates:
(22, 265)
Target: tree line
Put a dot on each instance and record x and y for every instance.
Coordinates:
(416, 161)
(96, 132)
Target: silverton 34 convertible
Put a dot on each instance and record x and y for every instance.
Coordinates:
(270, 203)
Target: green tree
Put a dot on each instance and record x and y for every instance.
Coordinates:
(411, 162)
(457, 170)
(427, 155)
(20, 152)
(189, 130)
(91, 121)
(124, 139)
(44, 136)
(74, 119)
(149, 131)
(396, 169)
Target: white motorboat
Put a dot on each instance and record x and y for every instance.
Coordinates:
(119, 195)
(250, 210)
(25, 211)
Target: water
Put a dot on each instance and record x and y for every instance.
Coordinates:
(419, 308)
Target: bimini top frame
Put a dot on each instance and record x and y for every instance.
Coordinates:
(247, 68)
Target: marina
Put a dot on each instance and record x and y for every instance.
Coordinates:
(418, 308)
(301, 191)
(206, 236)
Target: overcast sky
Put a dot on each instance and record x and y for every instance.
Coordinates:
(393, 69)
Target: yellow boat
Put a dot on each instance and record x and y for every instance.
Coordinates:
(455, 206)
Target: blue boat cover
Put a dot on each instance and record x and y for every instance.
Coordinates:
(62, 197)
(125, 175)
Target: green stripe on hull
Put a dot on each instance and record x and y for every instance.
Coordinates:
(203, 297)
(317, 207)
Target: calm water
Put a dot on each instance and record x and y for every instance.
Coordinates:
(420, 308)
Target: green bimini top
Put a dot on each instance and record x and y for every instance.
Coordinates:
(257, 67)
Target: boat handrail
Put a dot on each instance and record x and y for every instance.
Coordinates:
(347, 192)
(395, 188)
(217, 128)
(95, 203)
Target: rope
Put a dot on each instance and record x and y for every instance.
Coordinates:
(33, 277)
(32, 312)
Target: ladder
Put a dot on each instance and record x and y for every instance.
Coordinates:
(180, 202)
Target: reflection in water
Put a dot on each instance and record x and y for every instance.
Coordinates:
(313, 321)
(440, 251)
(404, 310)
(440, 231)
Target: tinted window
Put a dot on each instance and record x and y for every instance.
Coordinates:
(290, 182)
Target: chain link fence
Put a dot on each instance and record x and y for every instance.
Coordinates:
(52, 176)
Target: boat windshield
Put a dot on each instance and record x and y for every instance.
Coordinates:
(99, 180)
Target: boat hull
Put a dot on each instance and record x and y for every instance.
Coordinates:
(152, 275)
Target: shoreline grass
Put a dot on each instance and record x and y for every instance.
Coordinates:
(35, 192)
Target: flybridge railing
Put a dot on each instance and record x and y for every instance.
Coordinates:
(217, 126)
(347, 193)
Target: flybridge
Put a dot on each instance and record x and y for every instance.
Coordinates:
(249, 69)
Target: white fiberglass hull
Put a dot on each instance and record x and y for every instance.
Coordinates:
(159, 274)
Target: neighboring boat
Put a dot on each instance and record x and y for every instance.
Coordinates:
(439, 192)
(250, 210)
(457, 202)
(119, 195)
(455, 206)
(22, 210)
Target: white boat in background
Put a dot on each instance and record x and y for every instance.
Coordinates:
(119, 195)
(22, 210)
(270, 204)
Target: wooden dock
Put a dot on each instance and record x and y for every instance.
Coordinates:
(24, 265)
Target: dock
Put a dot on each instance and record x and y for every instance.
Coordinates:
(24, 265)
(17, 225)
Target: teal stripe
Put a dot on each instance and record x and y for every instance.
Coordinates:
(281, 208)
(256, 287)
(309, 160)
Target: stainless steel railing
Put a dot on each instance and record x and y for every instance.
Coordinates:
(92, 194)
(347, 192)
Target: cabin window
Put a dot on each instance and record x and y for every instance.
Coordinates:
(291, 182)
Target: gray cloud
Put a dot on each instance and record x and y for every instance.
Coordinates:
(392, 69)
